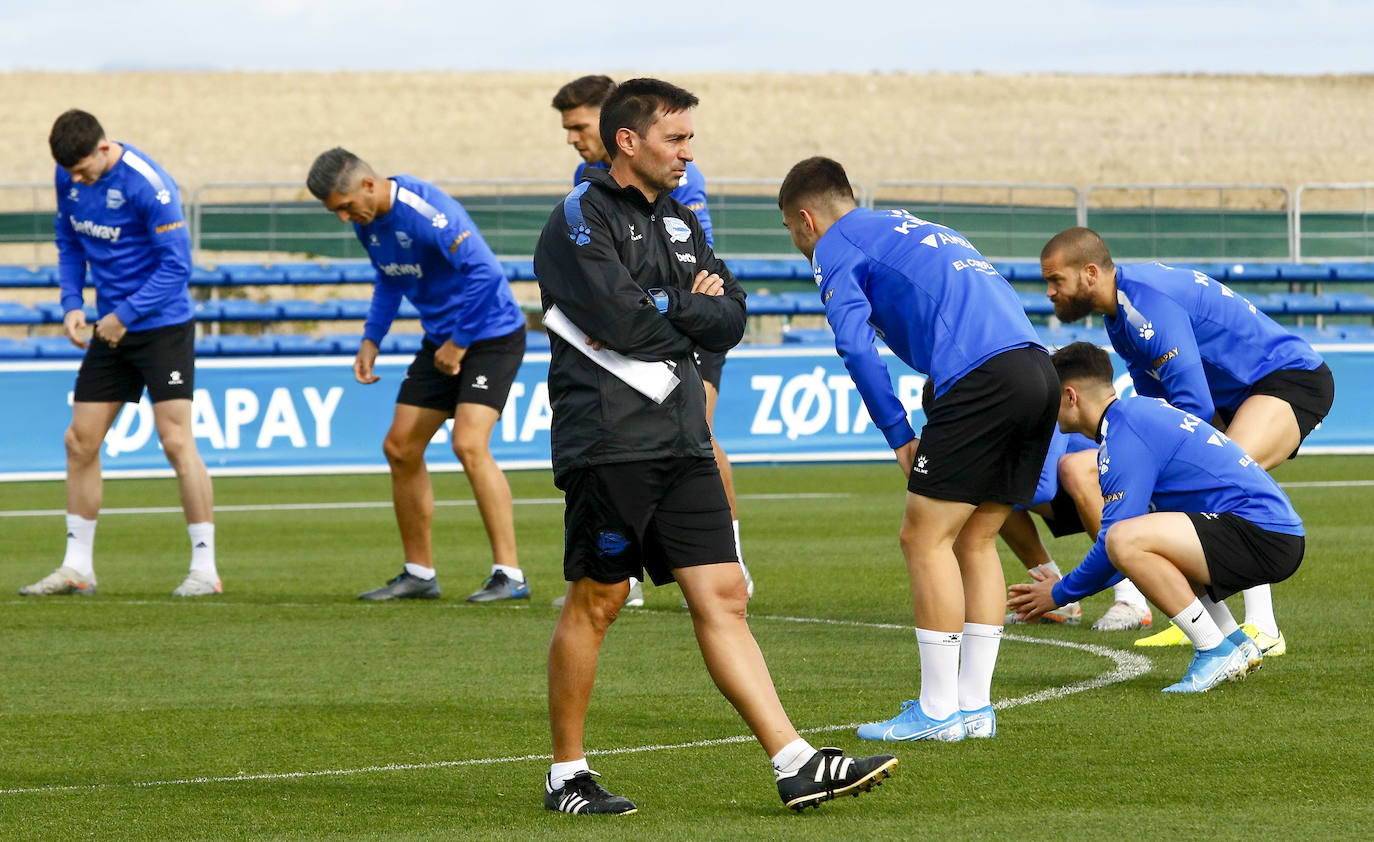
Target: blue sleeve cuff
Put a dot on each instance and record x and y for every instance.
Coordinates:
(899, 434)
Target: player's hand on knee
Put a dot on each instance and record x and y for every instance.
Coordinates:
(74, 326)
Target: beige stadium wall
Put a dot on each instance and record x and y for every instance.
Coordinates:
(1050, 128)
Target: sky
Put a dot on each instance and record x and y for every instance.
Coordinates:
(989, 36)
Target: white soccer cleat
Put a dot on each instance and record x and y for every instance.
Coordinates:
(1124, 616)
(197, 583)
(63, 580)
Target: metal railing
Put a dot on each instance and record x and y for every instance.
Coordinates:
(1197, 222)
(1007, 221)
(1333, 221)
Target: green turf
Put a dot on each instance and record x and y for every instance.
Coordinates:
(129, 696)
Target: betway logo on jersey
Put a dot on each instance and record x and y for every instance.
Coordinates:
(396, 270)
(100, 232)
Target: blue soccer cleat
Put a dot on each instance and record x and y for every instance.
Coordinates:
(498, 587)
(913, 724)
(980, 723)
(1212, 667)
(1254, 658)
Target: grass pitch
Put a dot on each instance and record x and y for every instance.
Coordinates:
(286, 709)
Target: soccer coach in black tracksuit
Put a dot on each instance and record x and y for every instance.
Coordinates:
(630, 266)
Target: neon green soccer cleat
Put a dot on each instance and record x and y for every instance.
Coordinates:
(1270, 647)
(1172, 636)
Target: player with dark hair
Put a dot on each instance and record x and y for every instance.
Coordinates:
(629, 266)
(119, 214)
(426, 248)
(1190, 339)
(579, 104)
(1188, 515)
(943, 310)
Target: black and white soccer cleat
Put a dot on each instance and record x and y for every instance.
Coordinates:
(831, 774)
(583, 795)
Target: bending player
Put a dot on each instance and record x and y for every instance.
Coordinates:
(119, 213)
(1191, 340)
(426, 248)
(1187, 515)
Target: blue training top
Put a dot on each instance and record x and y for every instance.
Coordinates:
(1153, 456)
(1194, 341)
(427, 249)
(129, 228)
(691, 191)
(1061, 444)
(940, 307)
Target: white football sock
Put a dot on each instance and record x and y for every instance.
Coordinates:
(793, 756)
(202, 548)
(977, 658)
(80, 545)
(1259, 609)
(1196, 622)
(1126, 591)
(419, 571)
(1221, 615)
(1053, 567)
(561, 773)
(939, 672)
(515, 574)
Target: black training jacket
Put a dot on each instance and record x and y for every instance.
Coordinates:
(603, 247)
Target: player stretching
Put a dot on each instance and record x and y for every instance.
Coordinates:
(944, 311)
(119, 213)
(426, 248)
(1188, 515)
(1189, 339)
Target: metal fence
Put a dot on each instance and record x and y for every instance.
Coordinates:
(263, 221)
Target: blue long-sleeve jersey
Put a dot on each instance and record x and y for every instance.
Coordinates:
(427, 249)
(1191, 339)
(129, 228)
(1151, 452)
(1061, 444)
(691, 191)
(937, 303)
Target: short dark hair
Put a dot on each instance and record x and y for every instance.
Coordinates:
(635, 104)
(816, 177)
(585, 90)
(1080, 246)
(333, 172)
(75, 134)
(1083, 361)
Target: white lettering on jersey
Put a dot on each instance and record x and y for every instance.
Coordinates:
(91, 229)
(393, 270)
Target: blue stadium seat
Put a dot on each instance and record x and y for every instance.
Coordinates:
(1305, 304)
(12, 349)
(247, 310)
(804, 303)
(235, 345)
(1354, 303)
(344, 343)
(311, 273)
(22, 276)
(1035, 304)
(1215, 271)
(756, 269)
(54, 314)
(202, 277)
(1303, 273)
(1254, 272)
(518, 270)
(809, 336)
(767, 304)
(1020, 271)
(308, 310)
(357, 273)
(54, 348)
(14, 313)
(207, 346)
(1271, 303)
(209, 311)
(1356, 333)
(1317, 335)
(1352, 272)
(536, 341)
(353, 308)
(402, 343)
(299, 344)
(241, 274)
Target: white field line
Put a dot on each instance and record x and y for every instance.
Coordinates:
(365, 504)
(1127, 665)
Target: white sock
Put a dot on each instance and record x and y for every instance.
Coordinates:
(793, 756)
(561, 773)
(1221, 615)
(1259, 609)
(515, 574)
(977, 658)
(939, 672)
(1196, 622)
(419, 571)
(1126, 591)
(80, 545)
(202, 548)
(1053, 567)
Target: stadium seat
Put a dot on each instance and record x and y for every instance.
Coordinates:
(14, 313)
(809, 336)
(311, 273)
(295, 343)
(207, 346)
(209, 311)
(402, 343)
(1303, 273)
(1354, 303)
(804, 303)
(1356, 333)
(353, 308)
(1317, 335)
(53, 313)
(1252, 272)
(241, 274)
(357, 273)
(1215, 271)
(54, 348)
(518, 270)
(344, 343)
(235, 345)
(22, 276)
(1035, 304)
(202, 277)
(247, 310)
(755, 269)
(767, 304)
(1271, 304)
(1020, 271)
(11, 349)
(1352, 272)
(1305, 304)
(308, 310)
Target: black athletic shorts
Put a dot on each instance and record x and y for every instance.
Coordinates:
(1310, 393)
(1064, 519)
(626, 518)
(709, 364)
(485, 376)
(1242, 555)
(163, 359)
(986, 438)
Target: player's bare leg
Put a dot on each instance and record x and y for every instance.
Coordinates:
(173, 418)
(90, 422)
(472, 426)
(727, 478)
(412, 495)
(929, 529)
(588, 612)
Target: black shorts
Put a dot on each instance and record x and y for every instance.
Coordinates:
(986, 438)
(709, 365)
(163, 359)
(626, 518)
(1064, 519)
(485, 377)
(1242, 555)
(1310, 393)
